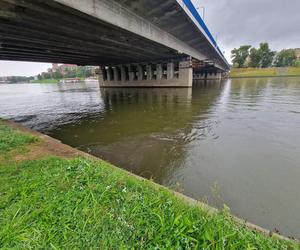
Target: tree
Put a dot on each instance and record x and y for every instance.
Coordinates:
(255, 58)
(46, 75)
(57, 75)
(285, 58)
(266, 55)
(240, 55)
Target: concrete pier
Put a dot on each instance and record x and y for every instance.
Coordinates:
(168, 74)
(208, 76)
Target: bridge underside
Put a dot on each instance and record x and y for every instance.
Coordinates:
(46, 31)
(146, 36)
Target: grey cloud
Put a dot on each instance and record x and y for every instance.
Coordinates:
(239, 22)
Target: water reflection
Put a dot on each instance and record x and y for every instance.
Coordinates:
(145, 131)
(239, 136)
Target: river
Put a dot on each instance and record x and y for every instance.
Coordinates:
(235, 142)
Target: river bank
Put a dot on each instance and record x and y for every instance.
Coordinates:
(55, 81)
(55, 196)
(264, 72)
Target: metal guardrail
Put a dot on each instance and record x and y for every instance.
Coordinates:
(193, 10)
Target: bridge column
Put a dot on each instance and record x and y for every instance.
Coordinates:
(186, 73)
(101, 75)
(134, 76)
(149, 72)
(116, 74)
(170, 70)
(123, 73)
(140, 72)
(109, 74)
(159, 72)
(131, 73)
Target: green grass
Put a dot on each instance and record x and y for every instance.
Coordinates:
(265, 72)
(13, 139)
(294, 71)
(45, 81)
(56, 203)
(49, 80)
(81, 204)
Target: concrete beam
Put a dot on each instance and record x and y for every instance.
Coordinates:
(170, 70)
(112, 32)
(114, 13)
(188, 12)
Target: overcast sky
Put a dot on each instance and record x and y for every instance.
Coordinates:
(233, 22)
(237, 22)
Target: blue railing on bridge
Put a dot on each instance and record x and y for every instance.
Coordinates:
(193, 10)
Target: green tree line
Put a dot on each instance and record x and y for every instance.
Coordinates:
(263, 57)
(18, 79)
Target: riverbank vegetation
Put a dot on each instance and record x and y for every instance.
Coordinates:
(50, 80)
(13, 140)
(51, 202)
(52, 76)
(247, 56)
(263, 62)
(16, 79)
(264, 72)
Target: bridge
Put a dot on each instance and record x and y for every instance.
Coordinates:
(135, 42)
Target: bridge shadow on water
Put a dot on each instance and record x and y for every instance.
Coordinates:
(144, 130)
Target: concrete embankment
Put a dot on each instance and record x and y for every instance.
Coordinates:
(55, 195)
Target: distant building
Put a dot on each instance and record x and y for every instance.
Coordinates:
(62, 68)
(55, 67)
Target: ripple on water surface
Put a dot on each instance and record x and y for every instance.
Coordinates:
(235, 142)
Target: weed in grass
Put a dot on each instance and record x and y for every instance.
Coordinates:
(13, 140)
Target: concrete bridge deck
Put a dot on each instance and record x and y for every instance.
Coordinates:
(106, 33)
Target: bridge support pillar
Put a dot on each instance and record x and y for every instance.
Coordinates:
(170, 70)
(116, 73)
(123, 73)
(149, 72)
(186, 73)
(131, 73)
(140, 72)
(178, 74)
(109, 74)
(208, 76)
(159, 72)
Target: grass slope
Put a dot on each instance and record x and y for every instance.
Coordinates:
(56, 203)
(11, 139)
(264, 72)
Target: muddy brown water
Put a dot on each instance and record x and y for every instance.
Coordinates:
(235, 142)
